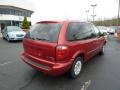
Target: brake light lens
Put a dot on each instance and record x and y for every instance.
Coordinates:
(61, 51)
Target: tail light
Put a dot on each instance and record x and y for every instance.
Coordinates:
(61, 51)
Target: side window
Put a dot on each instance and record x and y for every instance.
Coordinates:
(79, 31)
(96, 31)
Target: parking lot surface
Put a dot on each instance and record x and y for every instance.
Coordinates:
(100, 73)
(0, 35)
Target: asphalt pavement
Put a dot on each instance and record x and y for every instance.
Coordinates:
(100, 73)
(0, 35)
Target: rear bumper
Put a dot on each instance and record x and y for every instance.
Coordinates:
(47, 67)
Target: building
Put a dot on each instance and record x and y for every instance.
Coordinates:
(12, 12)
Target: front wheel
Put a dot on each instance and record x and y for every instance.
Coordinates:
(3, 37)
(76, 67)
(8, 39)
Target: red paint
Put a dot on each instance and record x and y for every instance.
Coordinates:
(57, 58)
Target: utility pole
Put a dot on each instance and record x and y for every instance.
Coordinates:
(87, 11)
(118, 13)
(93, 15)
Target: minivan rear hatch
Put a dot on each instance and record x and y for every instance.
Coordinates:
(41, 41)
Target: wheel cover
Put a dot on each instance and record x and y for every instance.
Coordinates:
(77, 67)
(103, 49)
(8, 38)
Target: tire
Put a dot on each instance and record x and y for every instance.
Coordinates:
(8, 39)
(3, 37)
(102, 51)
(76, 68)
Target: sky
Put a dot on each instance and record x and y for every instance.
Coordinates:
(72, 9)
(19, 3)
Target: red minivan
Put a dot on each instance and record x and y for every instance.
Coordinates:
(56, 48)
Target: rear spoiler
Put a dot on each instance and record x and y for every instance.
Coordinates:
(48, 22)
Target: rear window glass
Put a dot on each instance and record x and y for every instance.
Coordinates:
(45, 31)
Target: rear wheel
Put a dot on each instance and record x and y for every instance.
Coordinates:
(102, 51)
(76, 67)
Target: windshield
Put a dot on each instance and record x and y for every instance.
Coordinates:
(45, 31)
(13, 28)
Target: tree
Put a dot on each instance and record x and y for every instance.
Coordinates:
(109, 22)
(25, 23)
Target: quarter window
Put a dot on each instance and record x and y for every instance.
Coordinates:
(79, 31)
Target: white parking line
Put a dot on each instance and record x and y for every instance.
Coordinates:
(6, 63)
(86, 85)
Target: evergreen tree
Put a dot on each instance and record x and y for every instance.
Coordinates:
(25, 23)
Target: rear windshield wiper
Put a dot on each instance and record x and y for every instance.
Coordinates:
(42, 39)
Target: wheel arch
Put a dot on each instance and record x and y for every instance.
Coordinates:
(80, 54)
